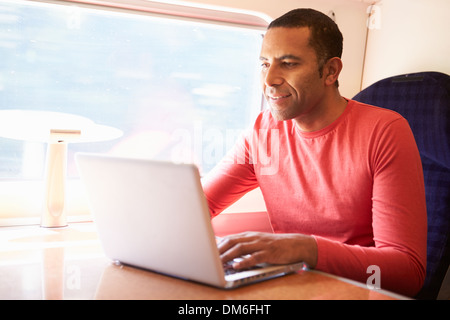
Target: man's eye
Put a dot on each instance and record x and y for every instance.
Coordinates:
(289, 64)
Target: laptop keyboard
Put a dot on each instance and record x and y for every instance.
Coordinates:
(228, 268)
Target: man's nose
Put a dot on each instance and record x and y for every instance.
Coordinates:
(272, 77)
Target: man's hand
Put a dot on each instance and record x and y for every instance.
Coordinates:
(257, 247)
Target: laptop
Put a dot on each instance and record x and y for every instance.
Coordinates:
(153, 215)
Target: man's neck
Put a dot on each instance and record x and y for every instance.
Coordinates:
(331, 110)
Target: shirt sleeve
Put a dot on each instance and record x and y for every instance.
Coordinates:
(233, 177)
(398, 219)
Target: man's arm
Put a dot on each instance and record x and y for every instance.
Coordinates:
(399, 219)
(232, 178)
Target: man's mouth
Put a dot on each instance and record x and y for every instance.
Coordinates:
(277, 97)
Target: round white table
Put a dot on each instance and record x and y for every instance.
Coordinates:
(57, 130)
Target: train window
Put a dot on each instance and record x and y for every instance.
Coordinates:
(179, 89)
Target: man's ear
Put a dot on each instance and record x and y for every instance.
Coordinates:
(331, 70)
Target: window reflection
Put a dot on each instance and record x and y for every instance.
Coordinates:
(178, 90)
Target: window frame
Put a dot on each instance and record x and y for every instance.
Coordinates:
(178, 10)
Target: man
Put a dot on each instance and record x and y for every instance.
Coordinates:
(342, 181)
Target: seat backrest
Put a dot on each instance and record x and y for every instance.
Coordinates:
(424, 100)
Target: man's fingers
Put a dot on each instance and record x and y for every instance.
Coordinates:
(242, 246)
(233, 250)
(249, 260)
(257, 248)
(229, 242)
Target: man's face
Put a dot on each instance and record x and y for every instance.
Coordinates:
(290, 74)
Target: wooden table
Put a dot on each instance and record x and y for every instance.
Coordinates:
(68, 263)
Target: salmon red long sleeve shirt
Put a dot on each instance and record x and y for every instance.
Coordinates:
(356, 186)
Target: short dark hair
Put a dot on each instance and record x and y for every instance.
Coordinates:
(326, 38)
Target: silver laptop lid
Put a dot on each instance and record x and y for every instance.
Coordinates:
(152, 215)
